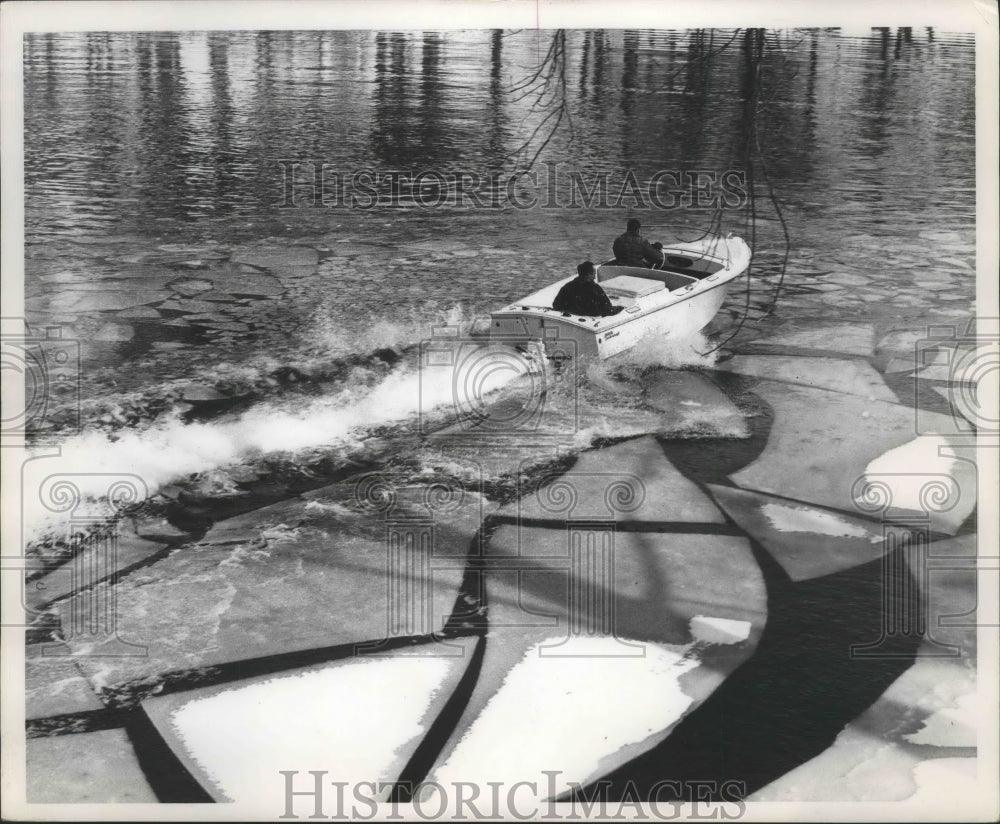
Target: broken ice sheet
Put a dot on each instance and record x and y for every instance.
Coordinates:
(941, 780)
(519, 736)
(711, 630)
(631, 481)
(85, 768)
(845, 338)
(961, 363)
(823, 444)
(922, 475)
(806, 541)
(875, 757)
(789, 518)
(951, 726)
(851, 376)
(688, 611)
(360, 718)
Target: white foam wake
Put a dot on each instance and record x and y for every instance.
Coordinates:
(173, 450)
(673, 353)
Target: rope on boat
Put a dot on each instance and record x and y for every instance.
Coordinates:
(750, 223)
(757, 47)
(753, 153)
(553, 68)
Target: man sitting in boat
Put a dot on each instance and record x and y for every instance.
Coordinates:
(632, 249)
(582, 295)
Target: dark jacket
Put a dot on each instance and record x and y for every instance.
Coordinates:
(634, 250)
(583, 297)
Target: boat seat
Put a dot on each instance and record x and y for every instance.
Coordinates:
(627, 286)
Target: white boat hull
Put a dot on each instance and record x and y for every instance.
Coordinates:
(685, 304)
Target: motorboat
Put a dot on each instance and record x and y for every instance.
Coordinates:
(675, 299)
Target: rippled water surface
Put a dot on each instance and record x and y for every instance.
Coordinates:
(154, 161)
(202, 221)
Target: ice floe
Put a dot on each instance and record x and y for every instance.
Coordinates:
(79, 302)
(789, 518)
(711, 630)
(823, 444)
(53, 684)
(852, 377)
(358, 719)
(946, 785)
(876, 758)
(966, 404)
(631, 481)
(806, 541)
(922, 475)
(978, 367)
(951, 726)
(95, 561)
(846, 338)
(267, 257)
(555, 714)
(87, 767)
(291, 577)
(693, 406)
(634, 605)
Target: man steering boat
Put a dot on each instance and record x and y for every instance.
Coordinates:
(632, 249)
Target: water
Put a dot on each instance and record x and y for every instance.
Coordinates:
(245, 325)
(161, 181)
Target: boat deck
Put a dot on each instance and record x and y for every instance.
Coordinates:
(670, 279)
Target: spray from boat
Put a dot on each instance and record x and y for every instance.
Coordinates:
(416, 376)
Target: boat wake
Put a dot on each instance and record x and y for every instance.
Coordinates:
(371, 412)
(656, 351)
(342, 421)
